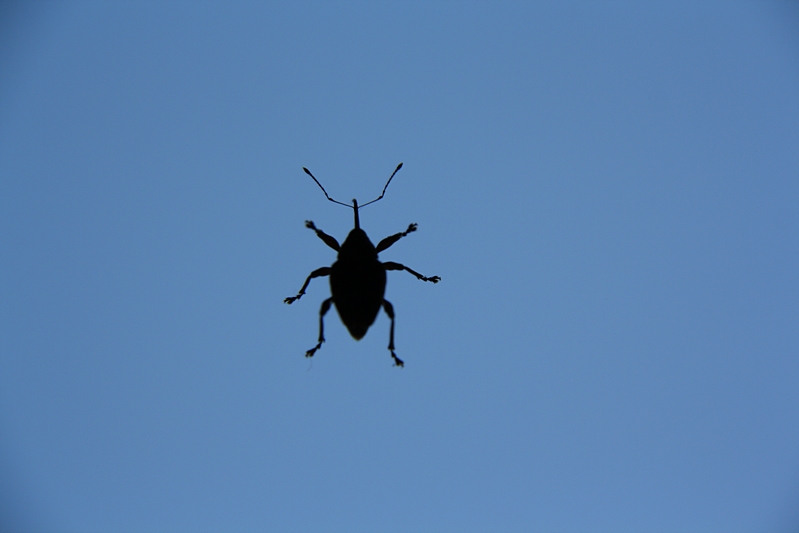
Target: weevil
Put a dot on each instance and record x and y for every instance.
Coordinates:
(357, 278)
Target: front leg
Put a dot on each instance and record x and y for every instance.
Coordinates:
(391, 239)
(390, 265)
(328, 240)
(324, 271)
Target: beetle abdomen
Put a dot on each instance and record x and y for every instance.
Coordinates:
(358, 290)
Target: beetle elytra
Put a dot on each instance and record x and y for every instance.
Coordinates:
(357, 278)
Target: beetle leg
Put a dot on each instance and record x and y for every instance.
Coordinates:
(328, 240)
(388, 241)
(324, 271)
(322, 311)
(389, 309)
(391, 265)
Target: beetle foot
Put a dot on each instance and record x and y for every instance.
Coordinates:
(312, 351)
(292, 299)
(397, 361)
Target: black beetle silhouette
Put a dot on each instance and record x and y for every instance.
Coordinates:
(357, 278)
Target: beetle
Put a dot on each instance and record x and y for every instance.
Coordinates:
(357, 278)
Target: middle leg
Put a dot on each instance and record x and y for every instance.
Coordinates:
(391, 265)
(324, 271)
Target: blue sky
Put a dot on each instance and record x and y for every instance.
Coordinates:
(608, 190)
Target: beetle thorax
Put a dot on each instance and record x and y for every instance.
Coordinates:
(357, 247)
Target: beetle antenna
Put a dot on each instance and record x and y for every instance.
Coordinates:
(354, 203)
(336, 201)
(384, 188)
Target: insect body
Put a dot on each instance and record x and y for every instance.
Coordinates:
(357, 278)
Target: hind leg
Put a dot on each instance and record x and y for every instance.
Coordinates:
(322, 311)
(389, 309)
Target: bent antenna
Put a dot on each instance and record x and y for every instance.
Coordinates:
(354, 202)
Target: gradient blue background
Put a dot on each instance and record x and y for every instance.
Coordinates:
(609, 191)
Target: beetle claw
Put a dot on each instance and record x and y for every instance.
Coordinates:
(312, 351)
(397, 361)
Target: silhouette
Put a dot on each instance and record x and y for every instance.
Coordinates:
(357, 278)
